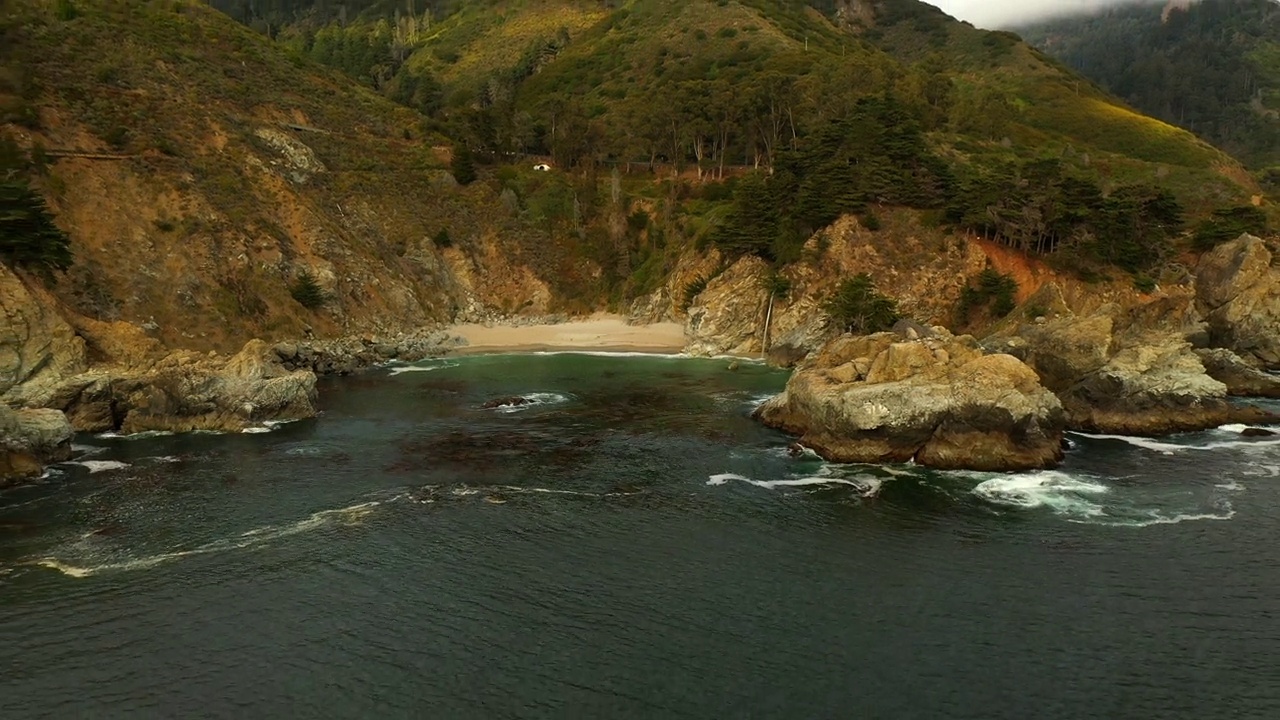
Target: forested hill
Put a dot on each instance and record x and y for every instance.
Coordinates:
(1212, 67)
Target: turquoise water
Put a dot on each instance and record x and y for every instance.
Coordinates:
(630, 545)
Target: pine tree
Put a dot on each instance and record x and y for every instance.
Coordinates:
(307, 291)
(858, 308)
(463, 165)
(28, 235)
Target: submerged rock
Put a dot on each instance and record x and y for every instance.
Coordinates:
(29, 440)
(1238, 292)
(511, 401)
(938, 401)
(1257, 432)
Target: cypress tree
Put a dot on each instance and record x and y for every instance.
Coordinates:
(28, 235)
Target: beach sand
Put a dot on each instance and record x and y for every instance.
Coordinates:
(598, 332)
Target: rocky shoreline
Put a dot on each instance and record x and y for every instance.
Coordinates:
(1167, 364)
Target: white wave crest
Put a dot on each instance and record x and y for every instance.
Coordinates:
(401, 369)
(133, 436)
(1056, 490)
(1168, 448)
(865, 485)
(97, 466)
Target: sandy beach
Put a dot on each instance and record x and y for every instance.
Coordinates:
(598, 332)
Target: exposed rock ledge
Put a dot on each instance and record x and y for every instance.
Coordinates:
(936, 400)
(30, 439)
(1132, 371)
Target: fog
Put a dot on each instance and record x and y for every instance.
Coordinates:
(994, 14)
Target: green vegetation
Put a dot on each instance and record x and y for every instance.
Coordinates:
(442, 239)
(463, 165)
(307, 291)
(858, 308)
(1043, 207)
(994, 291)
(1229, 224)
(1212, 67)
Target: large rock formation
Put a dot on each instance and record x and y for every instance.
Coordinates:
(179, 392)
(939, 401)
(1238, 291)
(29, 439)
(1131, 371)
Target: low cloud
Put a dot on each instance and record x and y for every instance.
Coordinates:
(994, 14)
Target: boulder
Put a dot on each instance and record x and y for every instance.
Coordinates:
(29, 439)
(1238, 292)
(938, 401)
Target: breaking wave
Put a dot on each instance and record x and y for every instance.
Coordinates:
(1169, 448)
(532, 400)
(1085, 499)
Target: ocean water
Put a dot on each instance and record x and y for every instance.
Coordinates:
(630, 545)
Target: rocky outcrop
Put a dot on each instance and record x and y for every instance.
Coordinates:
(35, 341)
(1130, 371)
(182, 391)
(727, 318)
(923, 268)
(1241, 378)
(939, 401)
(30, 439)
(1238, 292)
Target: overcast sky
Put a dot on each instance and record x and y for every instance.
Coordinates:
(1004, 13)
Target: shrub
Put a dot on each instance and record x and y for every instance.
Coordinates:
(638, 220)
(1145, 284)
(858, 308)
(307, 291)
(442, 239)
(777, 285)
(870, 221)
(164, 225)
(693, 290)
(993, 290)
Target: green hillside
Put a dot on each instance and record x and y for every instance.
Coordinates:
(1212, 67)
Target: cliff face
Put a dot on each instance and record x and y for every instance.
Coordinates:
(923, 268)
(200, 172)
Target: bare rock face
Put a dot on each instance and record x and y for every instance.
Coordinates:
(1238, 291)
(180, 392)
(35, 342)
(727, 318)
(29, 439)
(1129, 371)
(938, 400)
